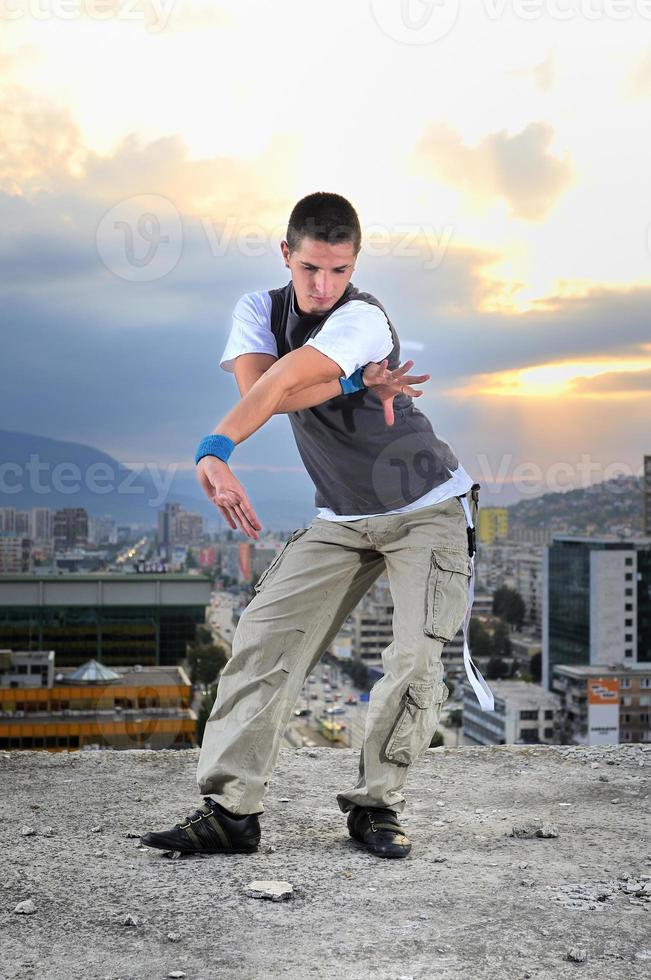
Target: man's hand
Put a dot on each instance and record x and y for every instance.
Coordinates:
(385, 384)
(224, 489)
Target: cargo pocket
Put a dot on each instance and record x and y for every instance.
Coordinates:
(415, 725)
(446, 599)
(269, 571)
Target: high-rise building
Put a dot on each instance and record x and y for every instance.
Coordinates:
(167, 528)
(42, 524)
(115, 618)
(646, 489)
(23, 523)
(189, 528)
(15, 554)
(70, 528)
(372, 622)
(492, 524)
(596, 602)
(102, 530)
(8, 520)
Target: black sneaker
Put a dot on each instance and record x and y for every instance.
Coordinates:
(379, 829)
(209, 830)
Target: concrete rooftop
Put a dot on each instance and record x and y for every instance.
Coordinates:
(469, 902)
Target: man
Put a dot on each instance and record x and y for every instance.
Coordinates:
(391, 496)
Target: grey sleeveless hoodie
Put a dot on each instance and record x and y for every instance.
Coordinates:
(358, 463)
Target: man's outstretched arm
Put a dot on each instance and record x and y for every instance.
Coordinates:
(297, 370)
(249, 368)
(289, 377)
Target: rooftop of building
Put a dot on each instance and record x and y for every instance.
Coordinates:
(102, 576)
(605, 539)
(601, 670)
(139, 675)
(518, 692)
(469, 901)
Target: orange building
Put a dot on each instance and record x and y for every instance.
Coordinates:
(93, 706)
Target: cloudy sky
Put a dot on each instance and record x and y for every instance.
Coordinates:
(498, 154)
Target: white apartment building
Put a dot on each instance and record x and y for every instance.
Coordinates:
(524, 714)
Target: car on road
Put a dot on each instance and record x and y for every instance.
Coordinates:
(303, 712)
(337, 709)
(351, 699)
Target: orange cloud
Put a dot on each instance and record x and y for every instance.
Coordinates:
(518, 169)
(589, 377)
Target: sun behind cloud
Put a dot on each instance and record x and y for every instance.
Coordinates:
(589, 378)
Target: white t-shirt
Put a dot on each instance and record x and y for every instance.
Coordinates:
(356, 333)
(353, 335)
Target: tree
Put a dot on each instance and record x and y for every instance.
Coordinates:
(206, 658)
(515, 609)
(479, 639)
(501, 641)
(358, 673)
(509, 605)
(497, 669)
(499, 600)
(455, 718)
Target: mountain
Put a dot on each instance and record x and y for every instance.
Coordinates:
(613, 505)
(41, 472)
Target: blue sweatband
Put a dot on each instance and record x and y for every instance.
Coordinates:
(215, 445)
(354, 382)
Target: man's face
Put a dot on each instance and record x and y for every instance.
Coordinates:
(320, 272)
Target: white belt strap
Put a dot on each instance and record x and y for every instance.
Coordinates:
(478, 684)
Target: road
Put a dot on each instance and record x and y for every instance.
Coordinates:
(354, 717)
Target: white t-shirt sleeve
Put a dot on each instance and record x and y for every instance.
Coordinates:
(251, 331)
(355, 334)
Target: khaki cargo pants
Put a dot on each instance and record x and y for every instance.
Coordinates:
(301, 602)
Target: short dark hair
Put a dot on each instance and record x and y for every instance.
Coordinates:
(325, 217)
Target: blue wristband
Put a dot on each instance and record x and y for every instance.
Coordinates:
(215, 445)
(354, 383)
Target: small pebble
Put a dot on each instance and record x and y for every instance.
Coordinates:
(274, 890)
(25, 908)
(576, 955)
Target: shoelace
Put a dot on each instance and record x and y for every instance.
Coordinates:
(198, 815)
